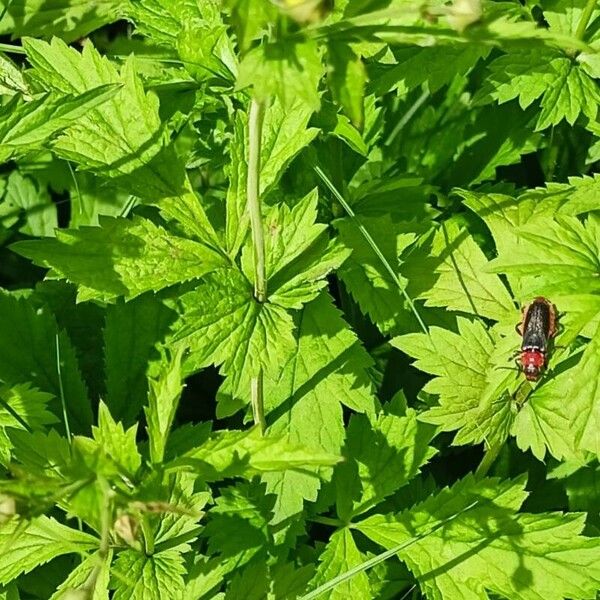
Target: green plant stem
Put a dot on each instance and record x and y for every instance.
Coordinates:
(63, 401)
(12, 49)
(258, 405)
(373, 245)
(255, 120)
(584, 20)
(490, 456)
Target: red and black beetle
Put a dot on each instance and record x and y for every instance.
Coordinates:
(538, 326)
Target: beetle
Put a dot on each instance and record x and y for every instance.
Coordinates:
(539, 324)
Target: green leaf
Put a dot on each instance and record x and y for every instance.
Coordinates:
(327, 370)
(237, 524)
(284, 135)
(26, 402)
(583, 489)
(132, 331)
(163, 20)
(288, 70)
(554, 257)
(472, 395)
(414, 65)
(339, 556)
(26, 546)
(467, 542)
(462, 282)
(584, 395)
(179, 525)
(78, 578)
(121, 257)
(388, 453)
(122, 136)
(298, 252)
(248, 453)
(69, 19)
(11, 79)
(24, 198)
(163, 399)
(565, 15)
(141, 577)
(32, 349)
(206, 50)
(566, 90)
(119, 444)
(347, 80)
(222, 323)
(251, 18)
(366, 277)
(26, 126)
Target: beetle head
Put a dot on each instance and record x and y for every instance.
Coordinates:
(532, 362)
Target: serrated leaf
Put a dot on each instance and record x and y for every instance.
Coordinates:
(554, 257)
(366, 277)
(26, 126)
(26, 546)
(131, 333)
(12, 80)
(467, 542)
(388, 452)
(248, 453)
(163, 398)
(178, 525)
(299, 253)
(565, 89)
(162, 20)
(28, 404)
(119, 444)
(251, 18)
(339, 556)
(471, 393)
(237, 524)
(78, 578)
(462, 283)
(32, 349)
(347, 80)
(288, 70)
(69, 19)
(414, 65)
(142, 577)
(121, 257)
(122, 138)
(24, 199)
(284, 134)
(222, 323)
(328, 370)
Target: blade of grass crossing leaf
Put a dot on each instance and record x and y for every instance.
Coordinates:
(62, 391)
(408, 115)
(371, 243)
(329, 585)
(255, 122)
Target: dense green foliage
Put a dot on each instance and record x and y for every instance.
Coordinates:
(261, 265)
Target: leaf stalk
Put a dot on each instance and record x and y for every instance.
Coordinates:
(255, 122)
(584, 20)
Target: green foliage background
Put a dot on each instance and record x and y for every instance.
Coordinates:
(261, 264)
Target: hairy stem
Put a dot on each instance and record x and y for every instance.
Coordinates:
(586, 15)
(258, 405)
(255, 120)
(490, 456)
